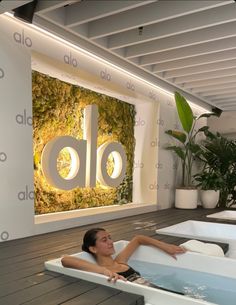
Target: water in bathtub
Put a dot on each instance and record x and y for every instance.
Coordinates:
(213, 288)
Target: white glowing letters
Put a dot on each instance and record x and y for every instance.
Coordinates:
(87, 163)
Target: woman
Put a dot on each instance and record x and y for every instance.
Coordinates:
(98, 242)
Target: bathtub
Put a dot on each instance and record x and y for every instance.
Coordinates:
(225, 233)
(191, 261)
(228, 215)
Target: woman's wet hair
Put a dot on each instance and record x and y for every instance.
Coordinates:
(90, 238)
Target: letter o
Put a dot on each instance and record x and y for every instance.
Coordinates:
(28, 42)
(102, 74)
(66, 59)
(30, 120)
(4, 235)
(119, 171)
(76, 177)
(74, 62)
(1, 73)
(3, 157)
(21, 196)
(31, 195)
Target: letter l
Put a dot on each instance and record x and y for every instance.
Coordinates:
(90, 134)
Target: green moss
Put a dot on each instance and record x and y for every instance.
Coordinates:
(58, 110)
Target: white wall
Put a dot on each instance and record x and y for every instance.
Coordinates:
(225, 124)
(16, 156)
(153, 179)
(146, 153)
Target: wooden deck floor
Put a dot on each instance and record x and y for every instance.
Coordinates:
(23, 279)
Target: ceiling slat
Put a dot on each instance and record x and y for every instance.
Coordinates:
(205, 75)
(230, 109)
(201, 90)
(88, 11)
(45, 6)
(224, 99)
(228, 102)
(191, 51)
(222, 96)
(219, 92)
(6, 5)
(151, 13)
(56, 16)
(191, 38)
(201, 68)
(214, 81)
(195, 61)
(183, 24)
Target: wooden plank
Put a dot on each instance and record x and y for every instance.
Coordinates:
(64, 294)
(72, 243)
(14, 286)
(20, 274)
(15, 267)
(30, 293)
(95, 296)
(125, 299)
(21, 253)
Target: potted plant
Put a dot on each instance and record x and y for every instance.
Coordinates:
(218, 155)
(186, 195)
(210, 183)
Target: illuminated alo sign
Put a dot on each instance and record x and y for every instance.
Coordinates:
(88, 163)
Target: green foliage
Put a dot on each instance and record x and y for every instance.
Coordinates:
(218, 155)
(188, 148)
(209, 180)
(185, 112)
(58, 110)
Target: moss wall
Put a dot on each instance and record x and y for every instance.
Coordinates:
(58, 110)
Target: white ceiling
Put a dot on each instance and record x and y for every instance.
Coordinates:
(184, 45)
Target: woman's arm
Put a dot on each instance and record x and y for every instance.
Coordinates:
(138, 240)
(81, 264)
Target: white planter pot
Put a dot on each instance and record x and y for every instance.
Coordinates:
(186, 199)
(209, 198)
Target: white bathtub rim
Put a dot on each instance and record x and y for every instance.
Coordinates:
(226, 214)
(173, 231)
(151, 294)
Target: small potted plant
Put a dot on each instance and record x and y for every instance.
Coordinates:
(186, 195)
(210, 183)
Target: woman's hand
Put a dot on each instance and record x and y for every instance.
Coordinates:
(173, 250)
(113, 276)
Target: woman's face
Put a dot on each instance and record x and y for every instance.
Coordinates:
(104, 244)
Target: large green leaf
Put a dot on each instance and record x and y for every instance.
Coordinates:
(179, 135)
(207, 133)
(184, 111)
(194, 148)
(178, 150)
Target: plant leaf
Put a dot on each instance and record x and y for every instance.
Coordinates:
(184, 111)
(194, 148)
(179, 135)
(178, 150)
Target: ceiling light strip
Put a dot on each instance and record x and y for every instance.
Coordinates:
(64, 41)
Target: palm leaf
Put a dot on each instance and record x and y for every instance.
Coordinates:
(178, 150)
(181, 136)
(184, 111)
